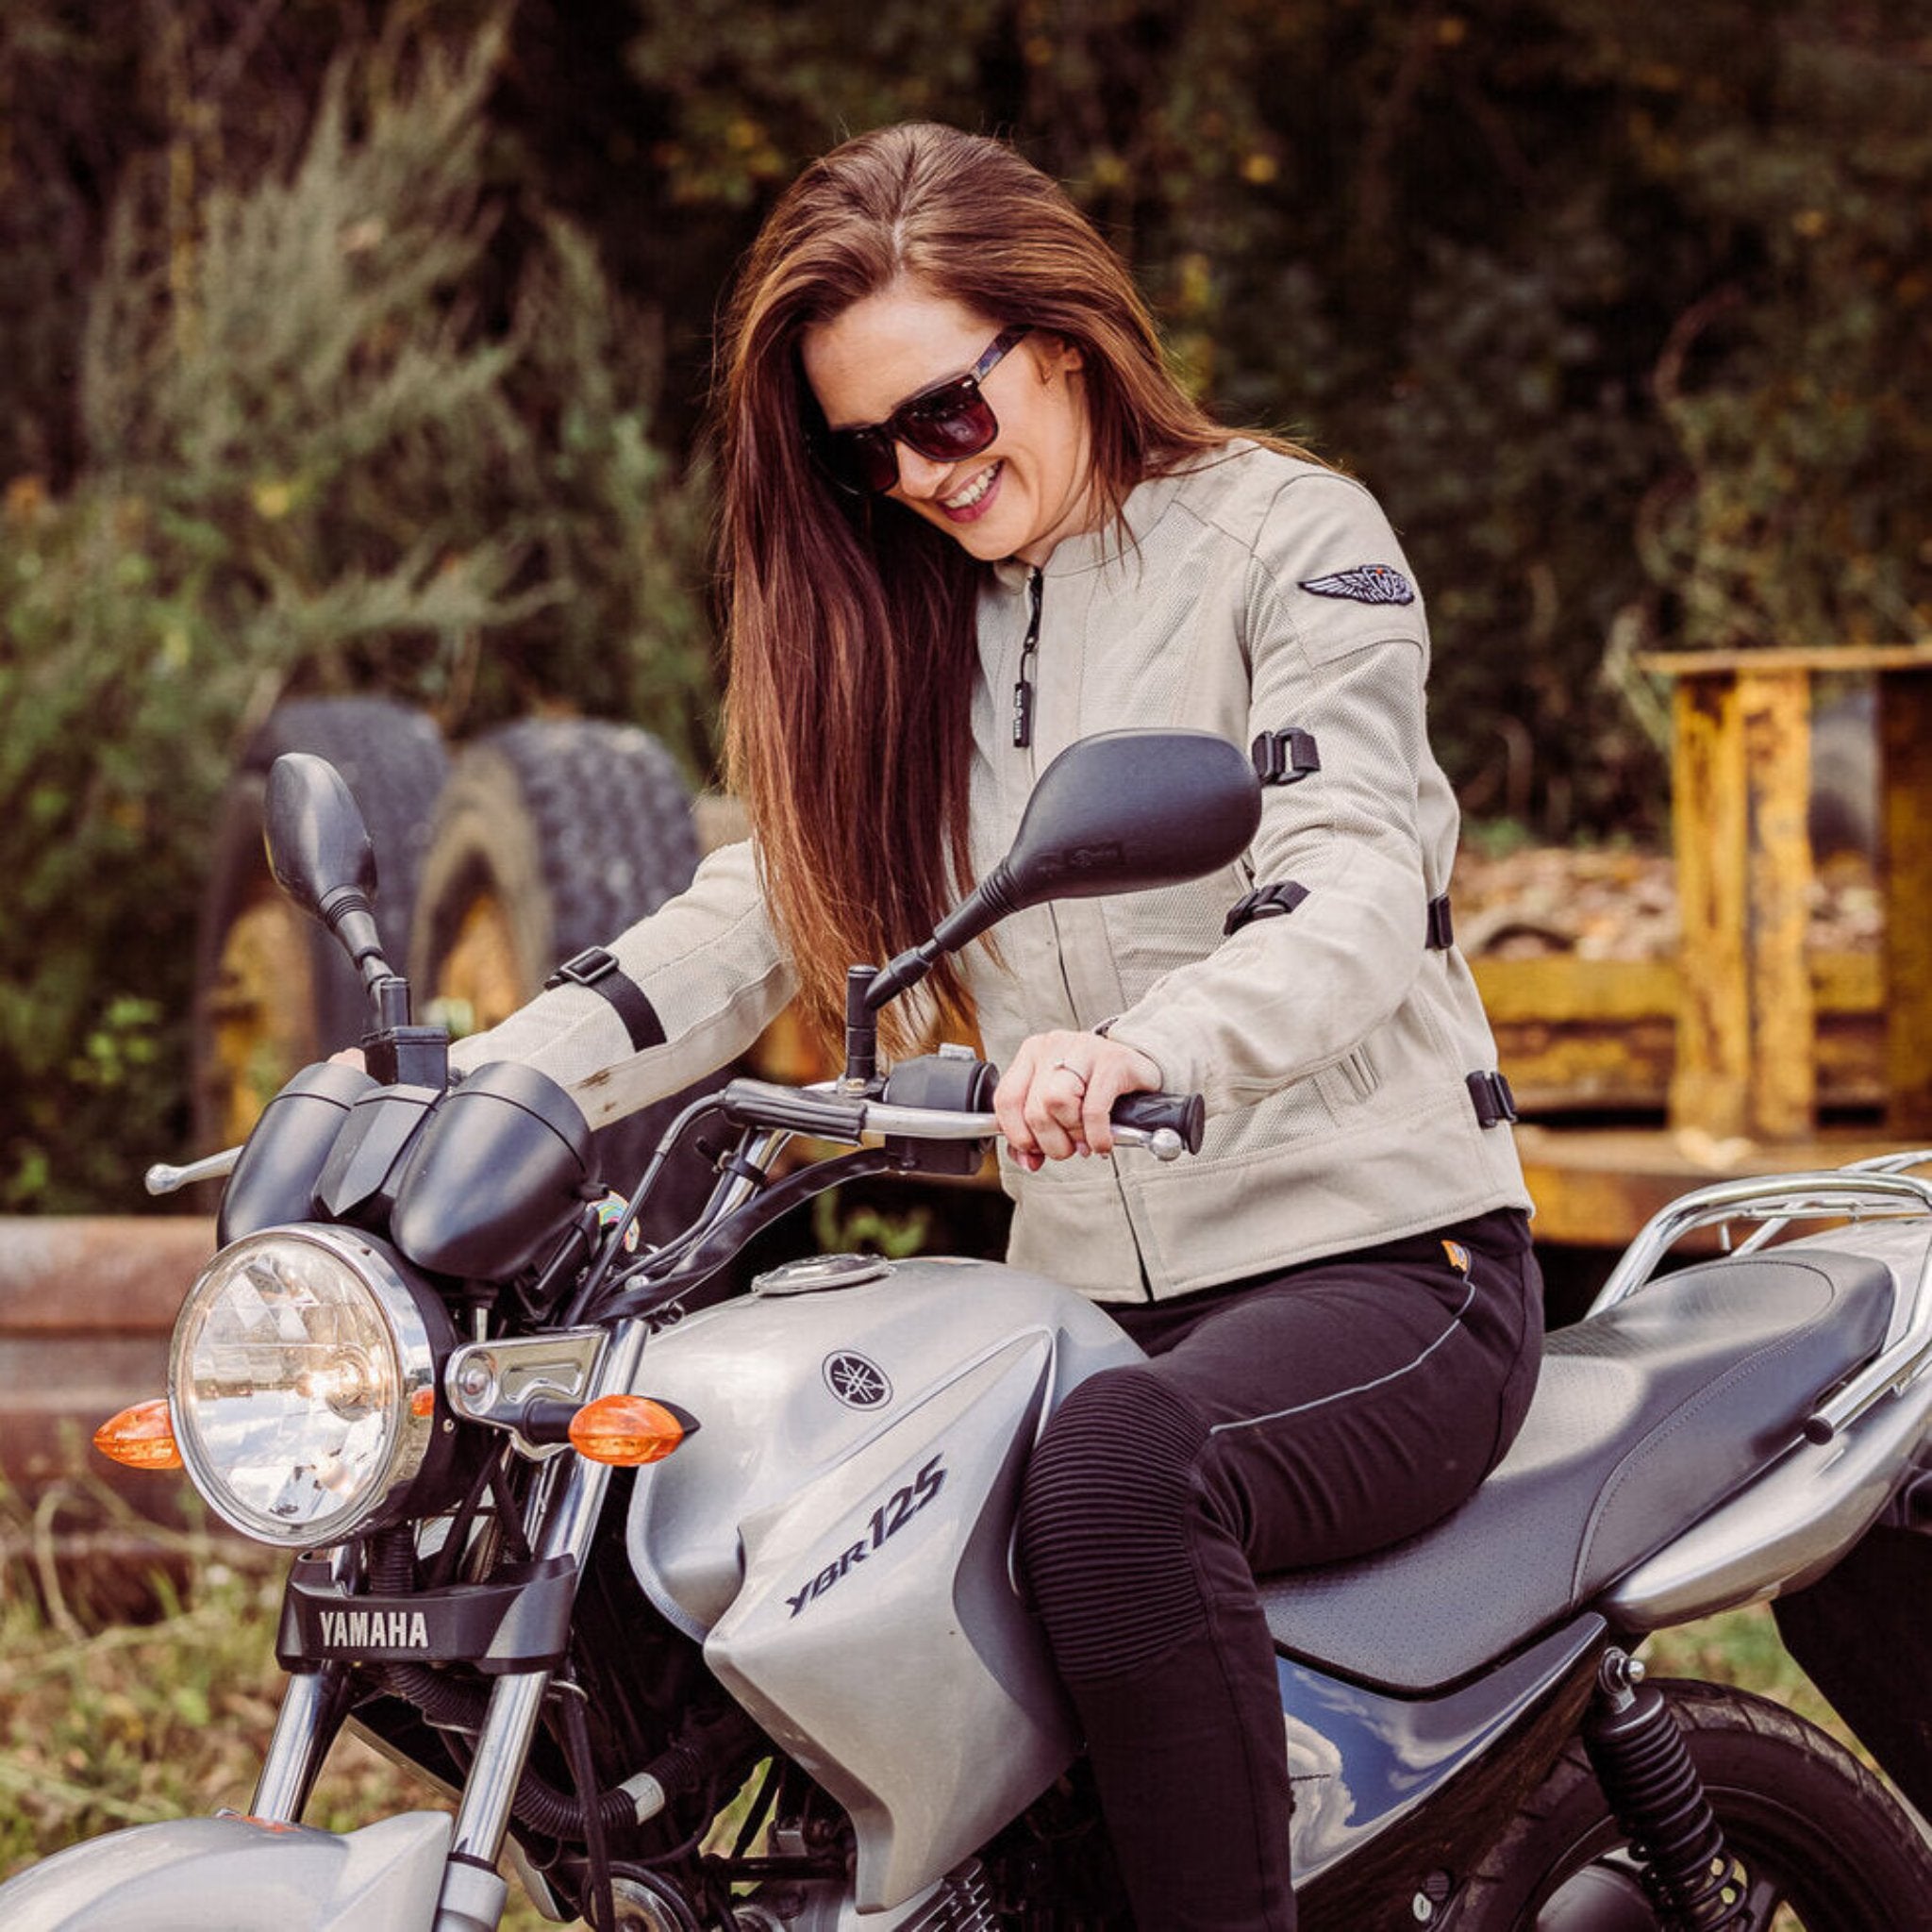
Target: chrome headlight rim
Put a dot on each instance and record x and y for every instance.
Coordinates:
(420, 1336)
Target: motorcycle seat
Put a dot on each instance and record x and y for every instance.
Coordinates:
(1645, 1419)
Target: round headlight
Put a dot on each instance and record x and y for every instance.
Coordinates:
(302, 1384)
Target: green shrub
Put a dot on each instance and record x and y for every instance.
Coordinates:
(340, 434)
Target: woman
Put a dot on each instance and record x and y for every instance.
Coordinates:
(968, 517)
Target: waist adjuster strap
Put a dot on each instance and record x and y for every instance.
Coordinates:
(1494, 1103)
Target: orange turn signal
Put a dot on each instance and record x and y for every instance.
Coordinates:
(624, 1429)
(141, 1438)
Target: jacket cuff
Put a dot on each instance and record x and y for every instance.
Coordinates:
(1147, 1040)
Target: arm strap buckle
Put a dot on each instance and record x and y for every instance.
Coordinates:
(1264, 902)
(596, 970)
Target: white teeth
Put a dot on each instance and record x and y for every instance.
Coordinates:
(973, 491)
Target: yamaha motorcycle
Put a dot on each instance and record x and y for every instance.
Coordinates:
(698, 1598)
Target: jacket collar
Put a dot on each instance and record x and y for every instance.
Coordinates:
(1110, 544)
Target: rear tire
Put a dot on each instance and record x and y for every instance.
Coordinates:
(274, 991)
(1820, 1838)
(552, 836)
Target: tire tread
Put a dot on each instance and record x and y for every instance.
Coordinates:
(1891, 1851)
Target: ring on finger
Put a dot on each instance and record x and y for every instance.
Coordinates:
(1068, 1067)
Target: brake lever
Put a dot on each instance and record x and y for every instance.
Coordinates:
(163, 1179)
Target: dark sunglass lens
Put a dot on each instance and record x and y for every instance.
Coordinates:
(877, 462)
(950, 423)
(861, 461)
(963, 431)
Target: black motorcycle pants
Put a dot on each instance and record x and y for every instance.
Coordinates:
(1295, 1420)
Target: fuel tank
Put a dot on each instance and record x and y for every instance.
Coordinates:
(838, 1532)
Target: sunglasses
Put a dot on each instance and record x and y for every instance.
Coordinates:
(944, 423)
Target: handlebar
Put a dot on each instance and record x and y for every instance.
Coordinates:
(1163, 1125)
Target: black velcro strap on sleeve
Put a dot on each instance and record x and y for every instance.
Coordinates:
(599, 972)
(1441, 928)
(1264, 902)
(1494, 1103)
(1285, 758)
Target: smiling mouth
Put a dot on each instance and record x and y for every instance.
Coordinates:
(974, 491)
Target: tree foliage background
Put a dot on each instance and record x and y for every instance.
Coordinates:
(361, 344)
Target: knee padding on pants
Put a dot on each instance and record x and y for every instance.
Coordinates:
(1103, 1523)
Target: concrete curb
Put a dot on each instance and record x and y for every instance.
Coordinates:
(87, 1304)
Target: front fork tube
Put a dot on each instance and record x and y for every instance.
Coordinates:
(565, 1503)
(313, 1706)
(563, 1519)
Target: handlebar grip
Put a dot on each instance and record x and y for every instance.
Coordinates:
(1184, 1114)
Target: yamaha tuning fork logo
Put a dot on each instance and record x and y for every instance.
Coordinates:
(857, 1383)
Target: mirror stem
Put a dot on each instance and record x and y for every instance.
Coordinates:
(392, 996)
(861, 1029)
(908, 969)
(988, 903)
(347, 913)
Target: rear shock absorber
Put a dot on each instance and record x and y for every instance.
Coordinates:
(1658, 1800)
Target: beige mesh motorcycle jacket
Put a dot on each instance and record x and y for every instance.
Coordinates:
(1309, 992)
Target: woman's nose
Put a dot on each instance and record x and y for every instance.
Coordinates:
(919, 476)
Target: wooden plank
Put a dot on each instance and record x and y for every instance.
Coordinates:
(1836, 659)
(1564, 987)
(89, 1274)
(1745, 1026)
(1782, 1087)
(1904, 708)
(1709, 1081)
(1578, 1035)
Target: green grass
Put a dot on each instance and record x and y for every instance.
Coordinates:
(1743, 1647)
(105, 1722)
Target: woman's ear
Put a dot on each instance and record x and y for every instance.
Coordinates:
(1060, 355)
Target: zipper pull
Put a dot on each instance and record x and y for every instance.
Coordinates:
(1022, 690)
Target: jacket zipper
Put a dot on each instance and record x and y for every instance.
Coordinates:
(1022, 690)
(1022, 739)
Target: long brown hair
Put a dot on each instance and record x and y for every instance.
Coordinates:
(849, 621)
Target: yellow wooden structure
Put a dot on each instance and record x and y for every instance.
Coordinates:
(1740, 1040)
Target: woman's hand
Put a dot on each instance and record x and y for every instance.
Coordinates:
(1054, 1099)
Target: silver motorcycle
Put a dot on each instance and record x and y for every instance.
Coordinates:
(697, 1596)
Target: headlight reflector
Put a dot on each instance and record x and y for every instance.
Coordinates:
(301, 1383)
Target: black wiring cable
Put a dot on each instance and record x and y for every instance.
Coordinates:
(673, 1250)
(593, 1279)
(451, 1702)
(509, 1517)
(598, 1902)
(760, 1808)
(745, 1221)
(443, 1570)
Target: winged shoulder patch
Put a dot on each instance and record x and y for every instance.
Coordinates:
(1367, 583)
